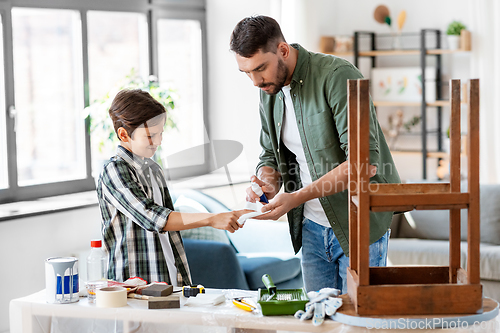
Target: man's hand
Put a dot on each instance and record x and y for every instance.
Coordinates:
(280, 205)
(284, 202)
(333, 182)
(372, 170)
(227, 221)
(268, 189)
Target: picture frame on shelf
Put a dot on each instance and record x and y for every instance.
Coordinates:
(403, 84)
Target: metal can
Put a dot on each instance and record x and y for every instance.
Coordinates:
(61, 280)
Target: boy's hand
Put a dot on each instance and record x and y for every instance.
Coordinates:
(268, 189)
(228, 221)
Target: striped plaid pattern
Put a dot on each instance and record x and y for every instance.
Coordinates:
(131, 221)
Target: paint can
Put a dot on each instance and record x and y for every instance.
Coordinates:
(61, 280)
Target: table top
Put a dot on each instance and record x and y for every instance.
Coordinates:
(222, 315)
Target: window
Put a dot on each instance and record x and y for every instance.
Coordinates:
(118, 44)
(61, 60)
(118, 48)
(4, 176)
(48, 89)
(180, 68)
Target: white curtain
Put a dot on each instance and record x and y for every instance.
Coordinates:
(485, 65)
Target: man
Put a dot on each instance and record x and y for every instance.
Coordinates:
(303, 110)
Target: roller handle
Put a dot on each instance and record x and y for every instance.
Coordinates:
(268, 282)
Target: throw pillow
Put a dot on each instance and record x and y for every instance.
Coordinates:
(434, 224)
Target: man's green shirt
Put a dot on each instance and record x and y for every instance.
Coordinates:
(319, 96)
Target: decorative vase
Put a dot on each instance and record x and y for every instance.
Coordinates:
(446, 145)
(453, 42)
(396, 41)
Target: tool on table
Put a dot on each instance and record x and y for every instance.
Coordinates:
(188, 291)
(242, 304)
(159, 289)
(165, 302)
(134, 295)
(268, 282)
(163, 298)
(280, 302)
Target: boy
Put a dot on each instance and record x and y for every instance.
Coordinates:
(139, 227)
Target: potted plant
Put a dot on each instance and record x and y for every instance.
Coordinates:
(102, 133)
(453, 32)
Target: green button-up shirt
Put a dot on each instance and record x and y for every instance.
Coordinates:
(319, 96)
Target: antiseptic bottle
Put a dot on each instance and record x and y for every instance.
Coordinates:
(96, 269)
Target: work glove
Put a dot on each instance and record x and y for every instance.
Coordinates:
(321, 303)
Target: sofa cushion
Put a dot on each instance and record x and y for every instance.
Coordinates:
(490, 214)
(434, 224)
(420, 252)
(491, 289)
(489, 262)
(214, 265)
(436, 252)
(184, 204)
(280, 266)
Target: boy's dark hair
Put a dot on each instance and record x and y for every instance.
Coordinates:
(256, 33)
(132, 108)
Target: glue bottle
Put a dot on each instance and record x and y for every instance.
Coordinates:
(96, 269)
(258, 190)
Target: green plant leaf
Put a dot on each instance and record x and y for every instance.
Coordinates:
(412, 122)
(455, 27)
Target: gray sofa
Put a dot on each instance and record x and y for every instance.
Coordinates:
(421, 238)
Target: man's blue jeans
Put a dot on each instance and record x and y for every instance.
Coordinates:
(324, 264)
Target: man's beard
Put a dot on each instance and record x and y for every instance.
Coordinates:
(280, 80)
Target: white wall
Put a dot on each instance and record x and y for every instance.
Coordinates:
(233, 101)
(25, 244)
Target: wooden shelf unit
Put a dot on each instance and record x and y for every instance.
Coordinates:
(379, 53)
(424, 51)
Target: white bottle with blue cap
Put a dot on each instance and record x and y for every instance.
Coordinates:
(258, 190)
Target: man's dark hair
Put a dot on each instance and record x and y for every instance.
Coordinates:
(254, 34)
(132, 108)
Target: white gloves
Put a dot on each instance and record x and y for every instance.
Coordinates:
(320, 303)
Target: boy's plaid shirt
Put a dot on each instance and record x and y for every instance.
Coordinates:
(131, 221)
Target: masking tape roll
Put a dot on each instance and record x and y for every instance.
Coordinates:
(111, 297)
